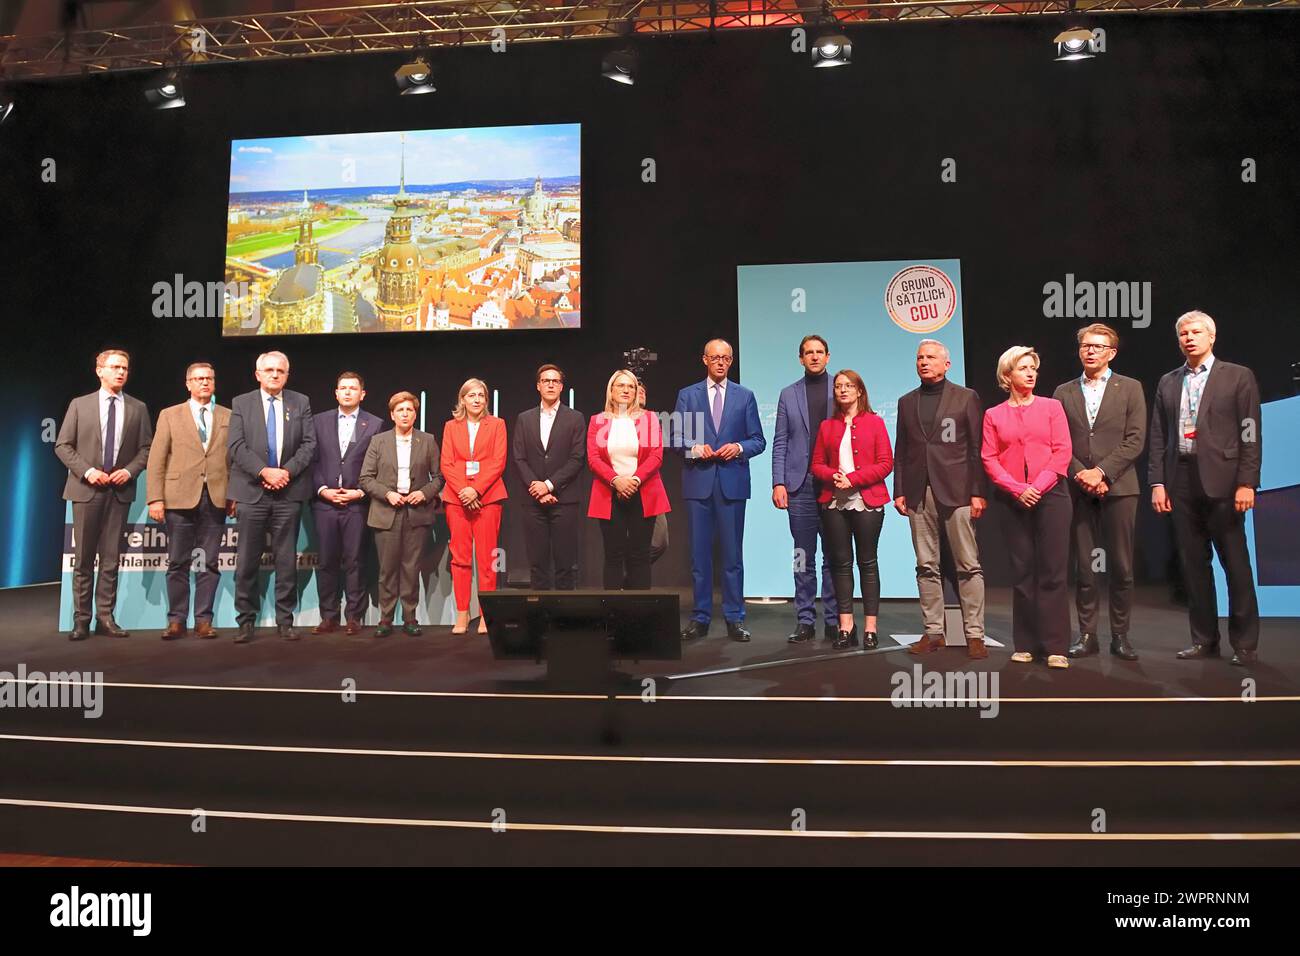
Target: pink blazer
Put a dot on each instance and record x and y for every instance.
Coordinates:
(1026, 445)
(649, 459)
(873, 459)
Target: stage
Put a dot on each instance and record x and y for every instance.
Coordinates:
(208, 752)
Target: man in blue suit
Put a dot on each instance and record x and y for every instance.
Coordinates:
(338, 509)
(715, 484)
(272, 441)
(802, 408)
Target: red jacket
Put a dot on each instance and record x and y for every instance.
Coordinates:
(872, 458)
(649, 459)
(489, 452)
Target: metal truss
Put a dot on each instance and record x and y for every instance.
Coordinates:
(405, 26)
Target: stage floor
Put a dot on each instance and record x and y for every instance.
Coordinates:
(439, 662)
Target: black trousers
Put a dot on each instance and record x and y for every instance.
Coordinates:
(193, 533)
(627, 534)
(551, 532)
(844, 532)
(97, 527)
(281, 518)
(1103, 543)
(340, 535)
(1038, 545)
(1199, 522)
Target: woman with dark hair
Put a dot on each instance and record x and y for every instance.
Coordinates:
(850, 461)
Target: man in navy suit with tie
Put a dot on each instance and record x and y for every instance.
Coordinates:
(272, 444)
(800, 411)
(338, 509)
(715, 484)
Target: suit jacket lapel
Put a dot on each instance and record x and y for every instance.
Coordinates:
(1108, 399)
(945, 404)
(97, 429)
(1211, 383)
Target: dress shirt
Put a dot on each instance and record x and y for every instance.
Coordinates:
(347, 428)
(204, 424)
(547, 422)
(1094, 390)
(279, 422)
(623, 445)
(403, 464)
(1189, 404)
(473, 433)
(104, 396)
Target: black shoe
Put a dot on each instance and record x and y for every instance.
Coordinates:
(245, 634)
(737, 631)
(412, 629)
(289, 633)
(830, 632)
(869, 641)
(106, 625)
(1244, 658)
(695, 629)
(79, 632)
(846, 639)
(1121, 648)
(1086, 646)
(383, 630)
(1197, 651)
(803, 634)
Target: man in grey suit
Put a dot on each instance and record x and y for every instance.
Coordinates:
(272, 444)
(104, 442)
(1107, 413)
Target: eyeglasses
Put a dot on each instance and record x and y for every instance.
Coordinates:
(718, 358)
(550, 381)
(1088, 347)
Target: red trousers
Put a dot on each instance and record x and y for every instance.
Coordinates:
(473, 537)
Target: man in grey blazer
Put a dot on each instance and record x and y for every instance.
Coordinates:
(1107, 413)
(402, 475)
(272, 445)
(104, 442)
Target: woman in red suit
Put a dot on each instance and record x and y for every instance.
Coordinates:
(1026, 452)
(625, 450)
(473, 461)
(850, 461)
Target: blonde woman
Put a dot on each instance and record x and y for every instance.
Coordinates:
(625, 451)
(473, 461)
(1026, 453)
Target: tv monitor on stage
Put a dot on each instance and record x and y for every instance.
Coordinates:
(408, 231)
(639, 625)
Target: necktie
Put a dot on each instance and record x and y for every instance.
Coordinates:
(203, 425)
(110, 436)
(272, 458)
(717, 407)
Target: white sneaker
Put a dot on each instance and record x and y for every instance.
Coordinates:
(1022, 657)
(1058, 660)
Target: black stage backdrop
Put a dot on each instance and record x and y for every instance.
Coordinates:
(1128, 167)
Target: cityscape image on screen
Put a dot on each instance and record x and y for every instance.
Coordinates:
(405, 231)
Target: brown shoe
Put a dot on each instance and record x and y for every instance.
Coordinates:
(325, 627)
(976, 650)
(353, 628)
(175, 631)
(926, 645)
(204, 629)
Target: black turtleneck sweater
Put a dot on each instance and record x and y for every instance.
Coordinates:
(931, 392)
(814, 387)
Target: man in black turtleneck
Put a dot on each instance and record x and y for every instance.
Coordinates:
(803, 406)
(939, 487)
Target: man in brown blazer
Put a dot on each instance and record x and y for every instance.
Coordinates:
(186, 488)
(402, 476)
(104, 442)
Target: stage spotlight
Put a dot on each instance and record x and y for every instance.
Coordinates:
(832, 49)
(1079, 44)
(415, 77)
(166, 92)
(6, 106)
(620, 66)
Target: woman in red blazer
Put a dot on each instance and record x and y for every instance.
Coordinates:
(473, 461)
(850, 461)
(625, 450)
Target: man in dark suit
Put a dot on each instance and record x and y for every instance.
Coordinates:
(1107, 413)
(550, 450)
(800, 411)
(104, 442)
(939, 487)
(715, 484)
(272, 444)
(1204, 464)
(338, 507)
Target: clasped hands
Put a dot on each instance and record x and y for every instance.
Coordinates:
(99, 477)
(341, 496)
(1093, 481)
(273, 479)
(400, 501)
(541, 494)
(469, 499)
(708, 452)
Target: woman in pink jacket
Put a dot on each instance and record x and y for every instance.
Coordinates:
(1026, 453)
(850, 460)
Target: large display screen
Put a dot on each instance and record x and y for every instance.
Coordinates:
(405, 231)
